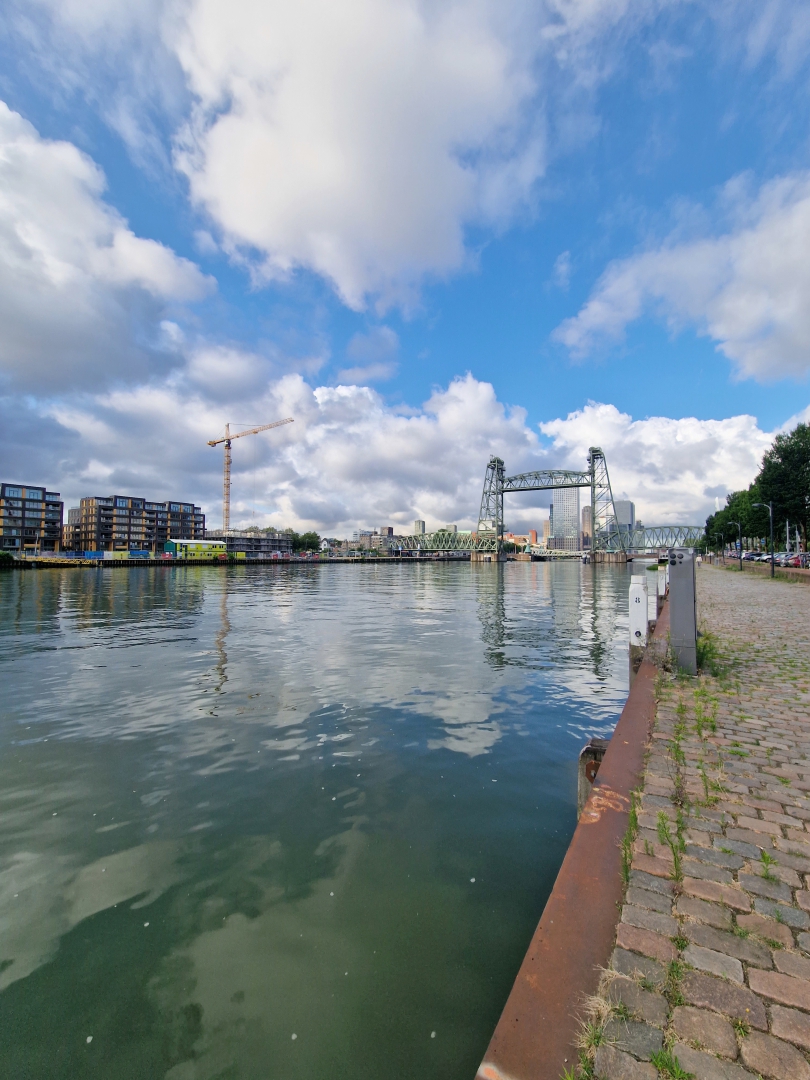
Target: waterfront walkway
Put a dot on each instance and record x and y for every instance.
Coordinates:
(711, 968)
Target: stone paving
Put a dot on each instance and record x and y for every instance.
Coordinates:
(710, 975)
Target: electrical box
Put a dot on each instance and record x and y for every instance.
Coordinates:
(682, 609)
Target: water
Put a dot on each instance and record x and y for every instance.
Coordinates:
(286, 822)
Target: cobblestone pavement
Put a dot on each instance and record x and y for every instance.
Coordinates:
(710, 975)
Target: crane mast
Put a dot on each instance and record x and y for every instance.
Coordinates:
(226, 476)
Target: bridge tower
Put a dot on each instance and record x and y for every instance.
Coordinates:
(603, 510)
(490, 517)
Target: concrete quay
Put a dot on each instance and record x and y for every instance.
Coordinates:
(676, 940)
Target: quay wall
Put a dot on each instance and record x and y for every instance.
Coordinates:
(535, 1038)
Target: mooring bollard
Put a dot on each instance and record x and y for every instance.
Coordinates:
(638, 622)
(682, 610)
(590, 758)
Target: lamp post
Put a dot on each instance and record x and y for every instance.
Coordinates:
(739, 535)
(769, 508)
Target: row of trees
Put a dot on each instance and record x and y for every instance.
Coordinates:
(784, 480)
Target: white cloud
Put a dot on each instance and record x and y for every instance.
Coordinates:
(747, 289)
(359, 141)
(672, 469)
(368, 373)
(561, 274)
(350, 460)
(81, 297)
(355, 140)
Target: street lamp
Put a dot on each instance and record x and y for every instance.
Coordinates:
(739, 534)
(769, 508)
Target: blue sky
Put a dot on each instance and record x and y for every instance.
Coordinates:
(430, 232)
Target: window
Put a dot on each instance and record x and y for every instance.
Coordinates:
(13, 493)
(52, 496)
(33, 493)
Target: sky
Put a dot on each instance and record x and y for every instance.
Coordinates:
(429, 232)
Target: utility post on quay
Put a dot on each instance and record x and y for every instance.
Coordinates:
(769, 508)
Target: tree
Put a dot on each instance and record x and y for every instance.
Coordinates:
(308, 541)
(784, 479)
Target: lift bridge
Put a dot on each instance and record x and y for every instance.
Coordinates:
(607, 536)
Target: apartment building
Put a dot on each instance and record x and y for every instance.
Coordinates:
(127, 523)
(30, 519)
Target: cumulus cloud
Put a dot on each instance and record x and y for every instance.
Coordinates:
(350, 460)
(359, 141)
(672, 469)
(748, 289)
(355, 140)
(82, 298)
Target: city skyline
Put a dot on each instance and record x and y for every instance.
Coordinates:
(581, 224)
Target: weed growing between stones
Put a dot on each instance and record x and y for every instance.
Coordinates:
(741, 1027)
(669, 1066)
(672, 985)
(676, 843)
(629, 837)
(767, 862)
(708, 656)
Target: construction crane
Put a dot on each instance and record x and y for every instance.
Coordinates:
(226, 479)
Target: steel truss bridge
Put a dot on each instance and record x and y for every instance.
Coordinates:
(607, 535)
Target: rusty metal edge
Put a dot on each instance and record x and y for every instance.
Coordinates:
(535, 1038)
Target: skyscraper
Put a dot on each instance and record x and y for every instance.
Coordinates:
(565, 530)
(586, 526)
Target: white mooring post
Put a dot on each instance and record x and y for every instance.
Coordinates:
(652, 594)
(638, 622)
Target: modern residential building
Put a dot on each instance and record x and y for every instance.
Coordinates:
(253, 545)
(127, 523)
(30, 519)
(418, 528)
(451, 529)
(70, 530)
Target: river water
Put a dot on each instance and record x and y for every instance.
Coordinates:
(288, 822)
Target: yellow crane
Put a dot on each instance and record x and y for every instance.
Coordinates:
(226, 480)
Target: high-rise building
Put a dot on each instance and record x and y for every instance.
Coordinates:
(387, 530)
(625, 513)
(566, 520)
(587, 528)
(30, 519)
(418, 528)
(125, 523)
(453, 529)
(546, 531)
